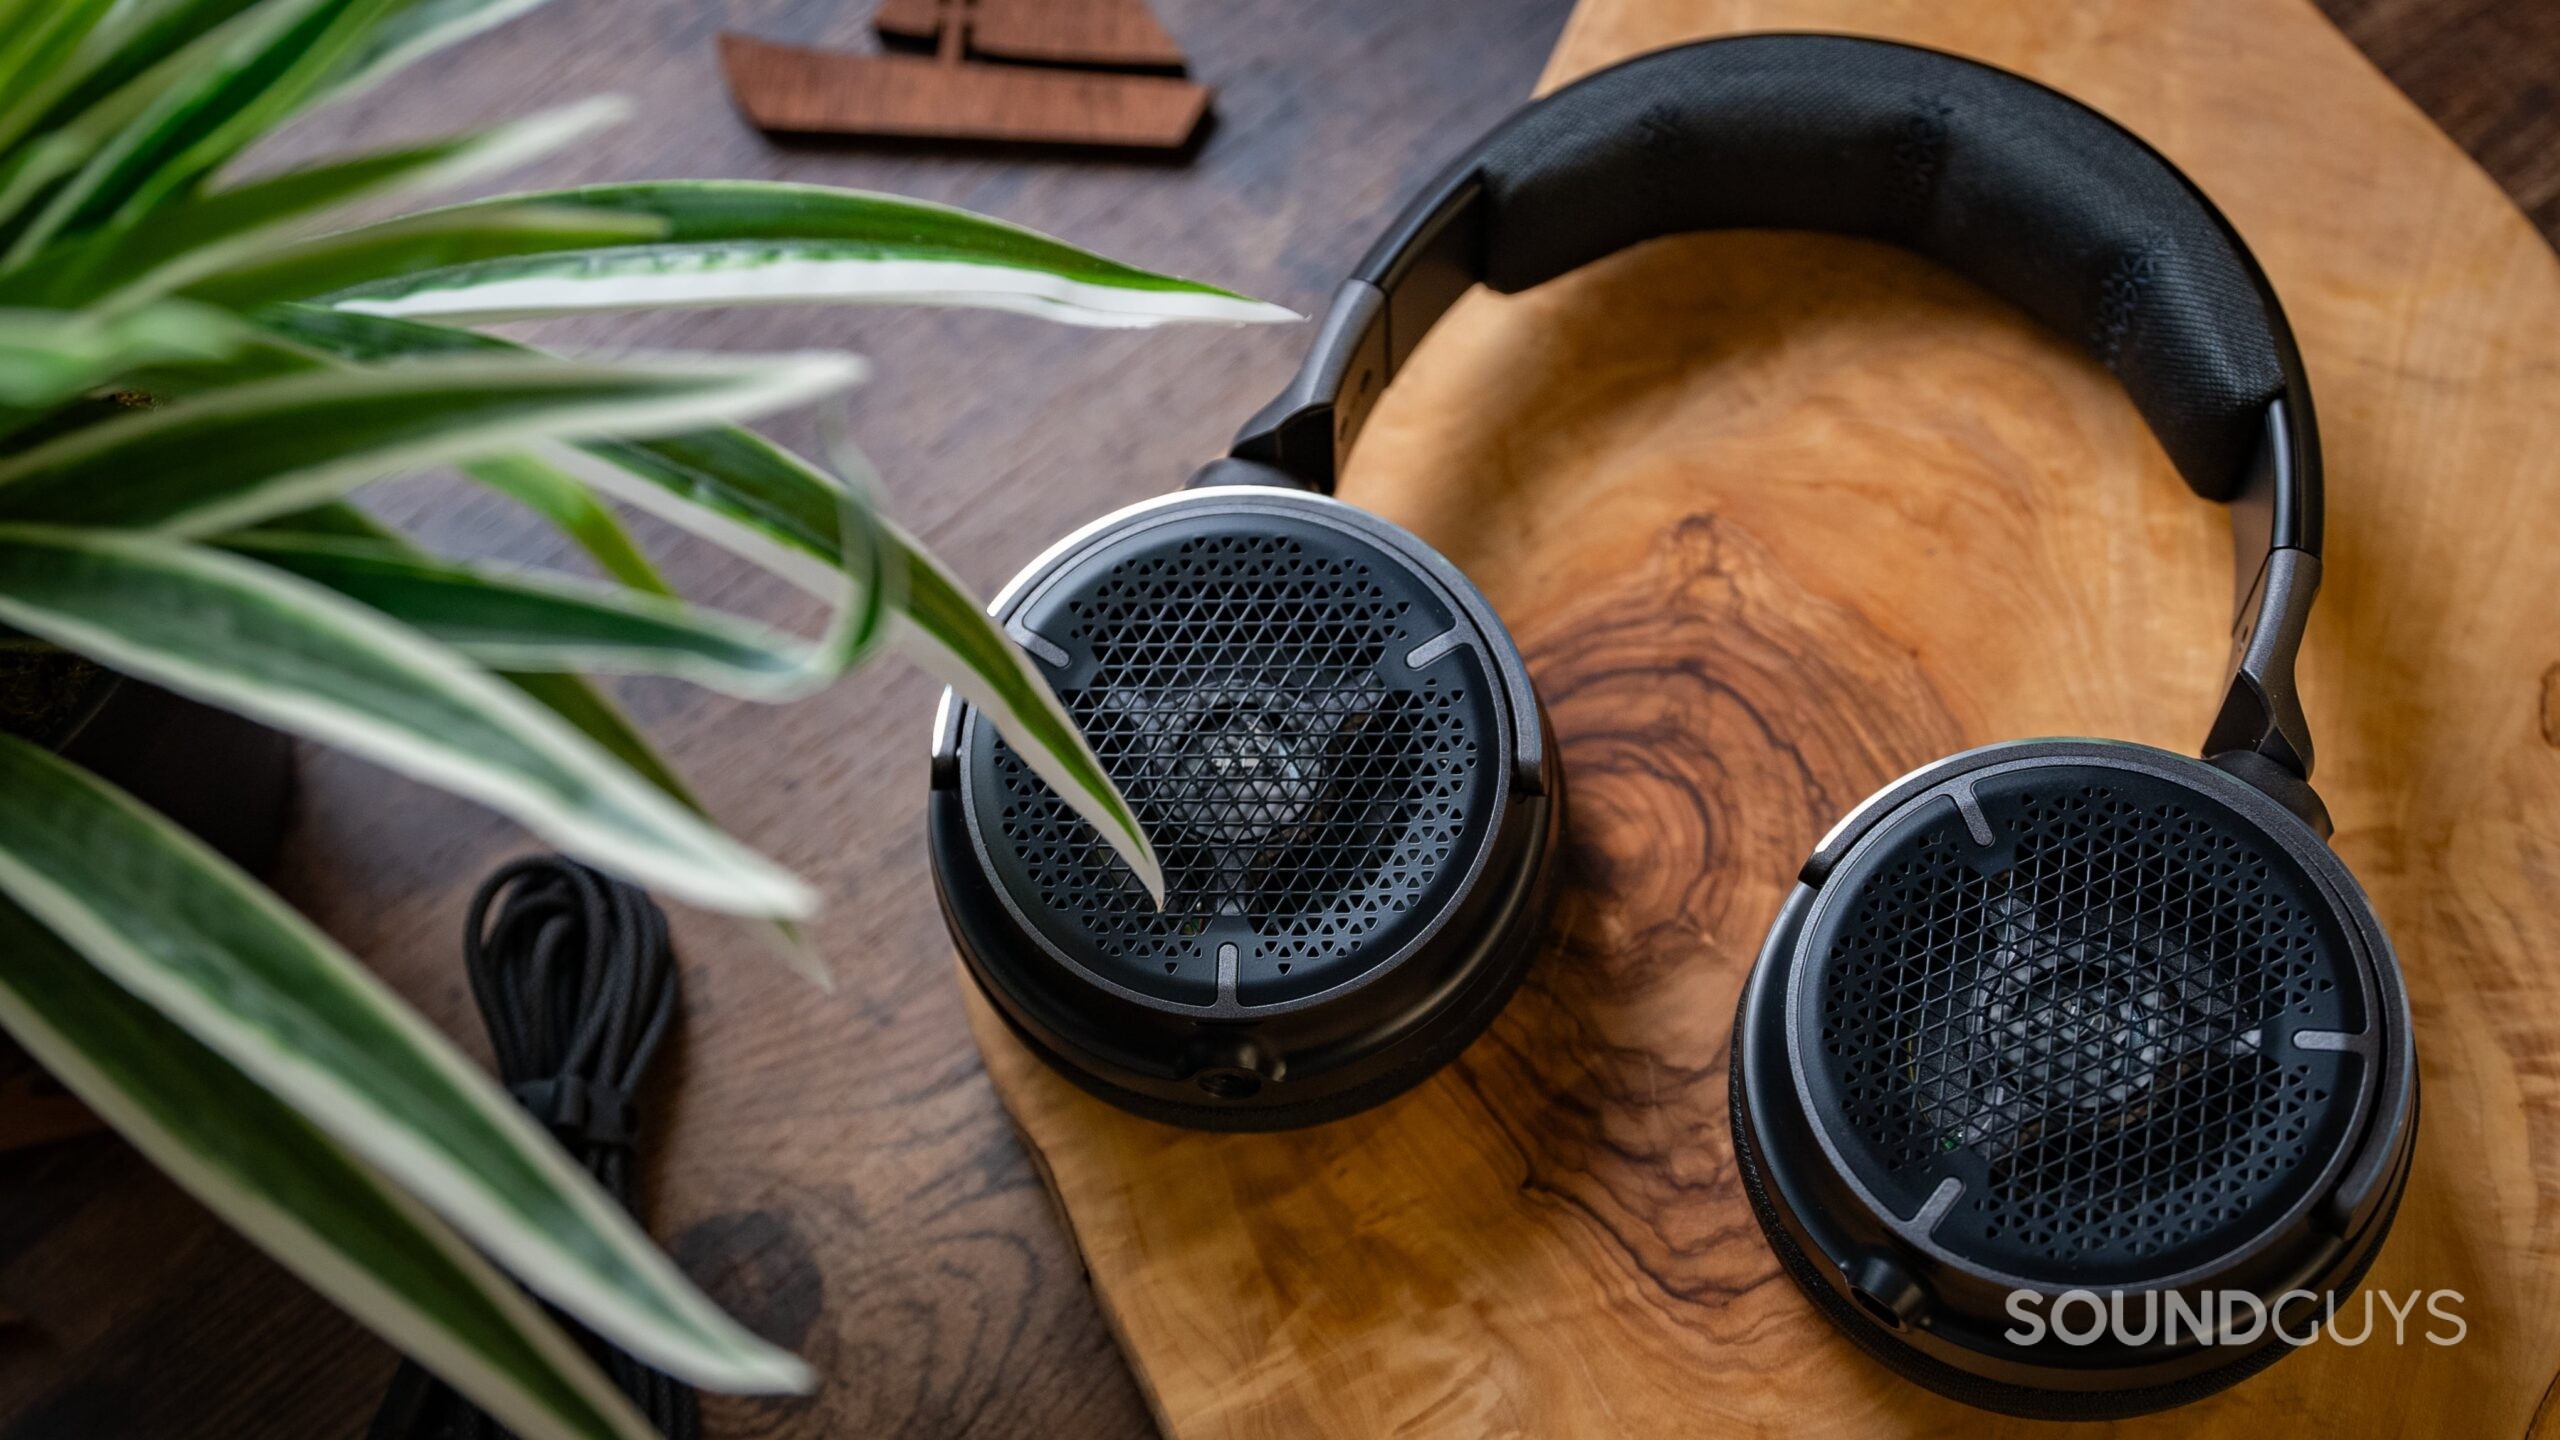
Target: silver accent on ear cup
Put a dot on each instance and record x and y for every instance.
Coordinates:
(2071, 1014)
(1335, 748)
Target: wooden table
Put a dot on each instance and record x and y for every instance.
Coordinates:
(836, 1169)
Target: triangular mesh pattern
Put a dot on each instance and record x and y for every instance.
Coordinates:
(2089, 1020)
(1310, 792)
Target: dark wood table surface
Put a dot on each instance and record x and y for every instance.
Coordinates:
(835, 1168)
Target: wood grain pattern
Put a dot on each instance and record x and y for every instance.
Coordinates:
(834, 1169)
(2488, 71)
(796, 89)
(1122, 33)
(837, 1169)
(1776, 519)
(35, 1110)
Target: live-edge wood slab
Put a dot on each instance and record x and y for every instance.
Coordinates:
(1776, 519)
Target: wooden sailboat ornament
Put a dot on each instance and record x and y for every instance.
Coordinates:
(1060, 72)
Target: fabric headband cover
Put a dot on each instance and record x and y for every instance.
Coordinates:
(2034, 196)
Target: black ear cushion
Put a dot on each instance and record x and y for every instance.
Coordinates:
(1445, 1042)
(2027, 1402)
(2027, 192)
(1449, 1036)
(1351, 786)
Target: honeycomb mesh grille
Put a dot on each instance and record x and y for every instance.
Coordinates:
(1308, 790)
(2090, 1021)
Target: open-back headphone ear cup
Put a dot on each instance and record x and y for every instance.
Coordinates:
(1335, 749)
(2043, 1018)
(1887, 1348)
(2071, 1016)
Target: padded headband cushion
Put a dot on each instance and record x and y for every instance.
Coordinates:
(2035, 197)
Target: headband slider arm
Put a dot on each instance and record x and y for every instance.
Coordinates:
(2277, 576)
(1309, 427)
(1410, 278)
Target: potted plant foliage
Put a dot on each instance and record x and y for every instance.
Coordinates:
(195, 374)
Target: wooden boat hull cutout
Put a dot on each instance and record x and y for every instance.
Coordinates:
(1087, 34)
(1074, 84)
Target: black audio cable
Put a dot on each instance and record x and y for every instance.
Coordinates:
(576, 982)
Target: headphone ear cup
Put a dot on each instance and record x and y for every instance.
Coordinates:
(2071, 1016)
(1335, 749)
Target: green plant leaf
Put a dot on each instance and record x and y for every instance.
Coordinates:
(134, 39)
(232, 457)
(39, 37)
(300, 1197)
(576, 700)
(261, 66)
(205, 946)
(574, 511)
(582, 705)
(418, 29)
(261, 356)
(433, 240)
(569, 696)
(759, 243)
(200, 237)
(526, 621)
(579, 703)
(33, 167)
(48, 357)
(247, 638)
(739, 490)
(560, 498)
(743, 492)
(346, 337)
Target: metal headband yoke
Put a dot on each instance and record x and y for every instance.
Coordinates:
(2035, 196)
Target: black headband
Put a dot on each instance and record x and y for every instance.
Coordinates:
(2032, 195)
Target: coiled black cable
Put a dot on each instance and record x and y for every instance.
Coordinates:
(576, 983)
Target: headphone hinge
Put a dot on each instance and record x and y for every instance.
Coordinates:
(2261, 708)
(2276, 573)
(1431, 256)
(1309, 428)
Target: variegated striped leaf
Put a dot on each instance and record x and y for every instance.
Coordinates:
(125, 264)
(248, 638)
(51, 356)
(739, 242)
(744, 492)
(299, 1196)
(575, 512)
(212, 951)
(740, 491)
(534, 622)
(257, 69)
(432, 240)
(236, 456)
(131, 51)
(417, 30)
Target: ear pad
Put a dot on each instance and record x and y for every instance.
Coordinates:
(1335, 748)
(2073, 1015)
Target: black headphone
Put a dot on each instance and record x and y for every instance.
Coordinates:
(2041, 1018)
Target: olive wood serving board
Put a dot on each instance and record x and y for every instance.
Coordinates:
(1777, 518)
